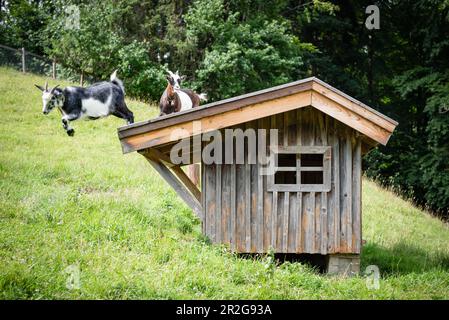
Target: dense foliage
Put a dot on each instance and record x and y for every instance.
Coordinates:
(229, 47)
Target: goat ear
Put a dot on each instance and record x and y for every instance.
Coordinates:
(39, 87)
(183, 78)
(168, 78)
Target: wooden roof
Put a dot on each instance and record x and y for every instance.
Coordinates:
(229, 112)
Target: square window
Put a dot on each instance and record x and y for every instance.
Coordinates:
(301, 168)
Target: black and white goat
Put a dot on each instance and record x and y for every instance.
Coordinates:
(96, 101)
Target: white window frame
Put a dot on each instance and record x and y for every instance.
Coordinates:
(298, 186)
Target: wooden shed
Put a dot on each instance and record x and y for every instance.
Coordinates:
(311, 201)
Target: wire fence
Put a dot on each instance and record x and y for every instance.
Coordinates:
(25, 61)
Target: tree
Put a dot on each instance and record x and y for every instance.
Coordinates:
(89, 45)
(241, 52)
(110, 37)
(415, 92)
(22, 23)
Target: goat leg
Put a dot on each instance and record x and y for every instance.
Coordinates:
(123, 112)
(128, 116)
(66, 124)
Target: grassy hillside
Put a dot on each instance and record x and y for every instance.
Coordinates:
(79, 203)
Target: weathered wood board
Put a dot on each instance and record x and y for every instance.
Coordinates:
(241, 212)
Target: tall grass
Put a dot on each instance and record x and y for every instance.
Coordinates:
(79, 204)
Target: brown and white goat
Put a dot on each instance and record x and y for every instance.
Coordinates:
(175, 99)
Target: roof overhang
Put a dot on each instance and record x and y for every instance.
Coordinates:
(229, 112)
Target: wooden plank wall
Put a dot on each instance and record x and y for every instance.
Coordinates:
(240, 212)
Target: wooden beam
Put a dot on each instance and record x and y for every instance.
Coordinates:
(178, 172)
(351, 119)
(193, 155)
(215, 122)
(158, 155)
(180, 189)
(215, 108)
(358, 108)
(187, 182)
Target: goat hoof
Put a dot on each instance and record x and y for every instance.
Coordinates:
(71, 132)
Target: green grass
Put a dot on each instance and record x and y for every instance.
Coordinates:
(80, 202)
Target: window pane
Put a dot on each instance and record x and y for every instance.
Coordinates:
(311, 177)
(311, 159)
(285, 177)
(287, 160)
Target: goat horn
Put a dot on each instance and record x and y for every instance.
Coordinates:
(46, 85)
(54, 88)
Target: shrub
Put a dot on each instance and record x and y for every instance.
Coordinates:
(143, 78)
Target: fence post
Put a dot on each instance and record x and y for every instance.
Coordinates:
(82, 78)
(53, 66)
(23, 60)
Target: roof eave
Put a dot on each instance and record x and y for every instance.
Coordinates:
(324, 97)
